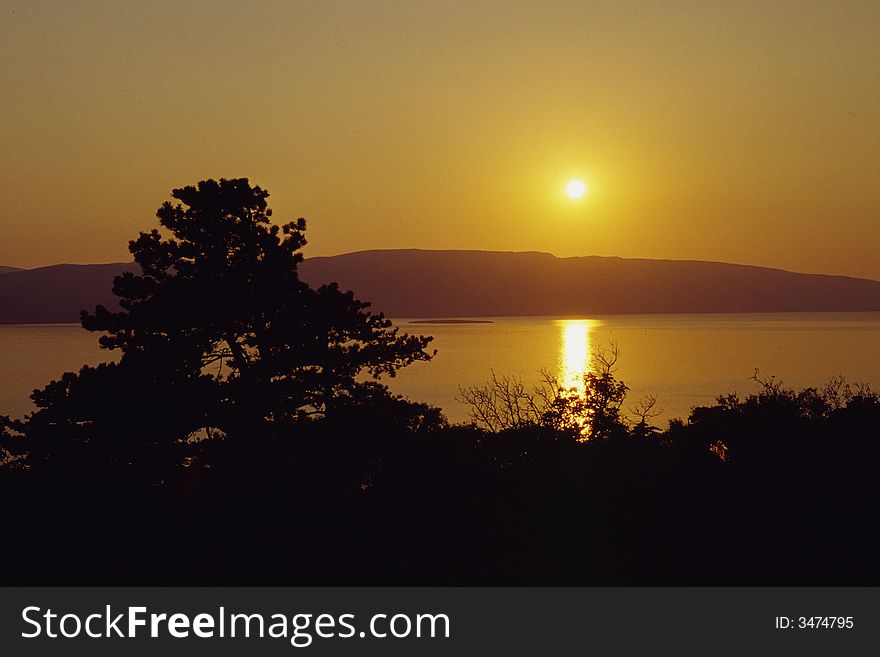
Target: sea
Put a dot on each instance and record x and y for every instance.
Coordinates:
(684, 360)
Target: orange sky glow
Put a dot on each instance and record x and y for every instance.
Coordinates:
(740, 131)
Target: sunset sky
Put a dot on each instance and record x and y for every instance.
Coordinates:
(742, 131)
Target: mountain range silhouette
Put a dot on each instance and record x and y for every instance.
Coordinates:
(450, 283)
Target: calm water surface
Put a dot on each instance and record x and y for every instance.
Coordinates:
(684, 359)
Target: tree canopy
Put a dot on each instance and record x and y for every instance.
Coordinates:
(218, 332)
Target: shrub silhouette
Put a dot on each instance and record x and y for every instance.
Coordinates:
(592, 410)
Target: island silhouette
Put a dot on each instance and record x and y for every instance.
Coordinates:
(421, 283)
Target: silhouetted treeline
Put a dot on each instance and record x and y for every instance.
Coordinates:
(244, 437)
(778, 488)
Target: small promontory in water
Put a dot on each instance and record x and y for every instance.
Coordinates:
(451, 321)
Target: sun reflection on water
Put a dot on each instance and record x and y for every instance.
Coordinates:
(574, 357)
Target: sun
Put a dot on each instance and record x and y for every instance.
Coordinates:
(575, 189)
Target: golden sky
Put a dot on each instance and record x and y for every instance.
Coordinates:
(737, 131)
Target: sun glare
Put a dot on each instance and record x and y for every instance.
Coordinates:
(575, 189)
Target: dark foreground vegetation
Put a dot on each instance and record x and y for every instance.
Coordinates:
(244, 438)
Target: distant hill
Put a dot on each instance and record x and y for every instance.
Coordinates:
(6, 270)
(416, 283)
(56, 294)
(424, 283)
